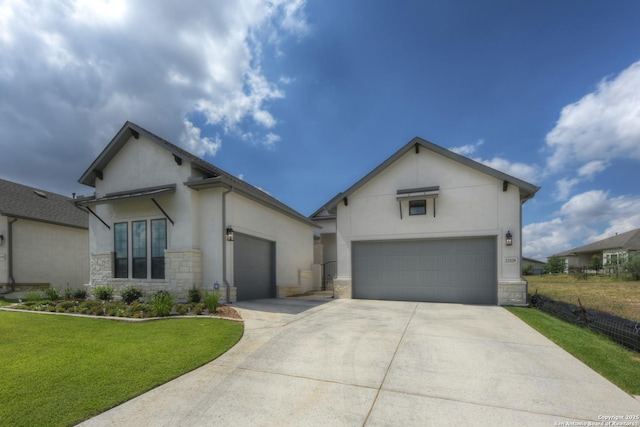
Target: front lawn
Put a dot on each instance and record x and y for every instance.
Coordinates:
(60, 370)
(614, 362)
(603, 293)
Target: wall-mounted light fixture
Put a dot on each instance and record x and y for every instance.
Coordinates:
(1, 239)
(229, 234)
(508, 239)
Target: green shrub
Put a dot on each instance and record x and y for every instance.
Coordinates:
(68, 293)
(130, 294)
(211, 301)
(80, 294)
(162, 302)
(194, 294)
(33, 296)
(105, 293)
(52, 294)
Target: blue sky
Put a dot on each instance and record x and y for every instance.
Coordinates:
(303, 98)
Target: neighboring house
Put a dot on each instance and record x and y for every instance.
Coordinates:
(427, 225)
(536, 267)
(164, 219)
(613, 251)
(44, 240)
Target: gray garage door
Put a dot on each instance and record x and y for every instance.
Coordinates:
(253, 267)
(445, 270)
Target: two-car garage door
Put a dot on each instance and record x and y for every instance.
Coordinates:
(442, 270)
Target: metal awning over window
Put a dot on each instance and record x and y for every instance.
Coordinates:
(142, 193)
(422, 193)
(418, 193)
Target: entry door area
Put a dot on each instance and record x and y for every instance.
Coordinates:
(437, 270)
(253, 267)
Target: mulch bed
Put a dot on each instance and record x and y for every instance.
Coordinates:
(226, 311)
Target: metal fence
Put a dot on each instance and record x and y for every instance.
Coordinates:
(623, 331)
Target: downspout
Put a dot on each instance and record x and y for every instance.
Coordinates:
(224, 244)
(12, 280)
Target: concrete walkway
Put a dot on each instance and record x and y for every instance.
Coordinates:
(378, 363)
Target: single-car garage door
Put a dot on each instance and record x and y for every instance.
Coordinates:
(443, 270)
(253, 267)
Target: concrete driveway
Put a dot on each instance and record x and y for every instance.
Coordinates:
(380, 363)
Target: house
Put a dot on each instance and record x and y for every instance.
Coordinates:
(164, 219)
(533, 266)
(44, 240)
(612, 251)
(427, 225)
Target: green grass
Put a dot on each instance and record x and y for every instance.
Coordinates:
(604, 293)
(612, 361)
(60, 370)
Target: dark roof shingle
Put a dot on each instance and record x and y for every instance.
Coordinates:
(627, 241)
(20, 201)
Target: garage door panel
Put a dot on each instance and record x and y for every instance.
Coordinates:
(253, 267)
(445, 270)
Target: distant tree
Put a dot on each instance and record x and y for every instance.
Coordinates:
(633, 266)
(527, 270)
(596, 263)
(555, 264)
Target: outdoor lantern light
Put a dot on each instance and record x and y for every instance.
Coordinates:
(229, 234)
(508, 239)
(1, 239)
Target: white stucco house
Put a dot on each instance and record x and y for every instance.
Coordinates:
(44, 240)
(427, 225)
(162, 218)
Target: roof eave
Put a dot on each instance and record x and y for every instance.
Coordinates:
(527, 190)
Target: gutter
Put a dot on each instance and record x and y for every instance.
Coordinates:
(224, 243)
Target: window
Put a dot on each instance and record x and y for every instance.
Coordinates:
(121, 250)
(140, 241)
(417, 207)
(139, 249)
(158, 245)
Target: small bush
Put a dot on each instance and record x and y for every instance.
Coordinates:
(80, 294)
(211, 301)
(130, 294)
(33, 296)
(194, 294)
(105, 293)
(52, 294)
(162, 302)
(68, 293)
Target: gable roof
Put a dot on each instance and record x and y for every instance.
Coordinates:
(626, 241)
(20, 201)
(213, 176)
(527, 191)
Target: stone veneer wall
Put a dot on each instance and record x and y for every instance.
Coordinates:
(512, 293)
(342, 288)
(183, 270)
(101, 272)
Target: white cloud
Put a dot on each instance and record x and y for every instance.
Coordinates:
(197, 144)
(564, 187)
(469, 149)
(602, 126)
(578, 222)
(528, 173)
(72, 72)
(592, 168)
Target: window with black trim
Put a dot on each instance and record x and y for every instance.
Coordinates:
(158, 245)
(417, 207)
(139, 249)
(121, 248)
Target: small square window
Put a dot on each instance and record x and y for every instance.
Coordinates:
(417, 207)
